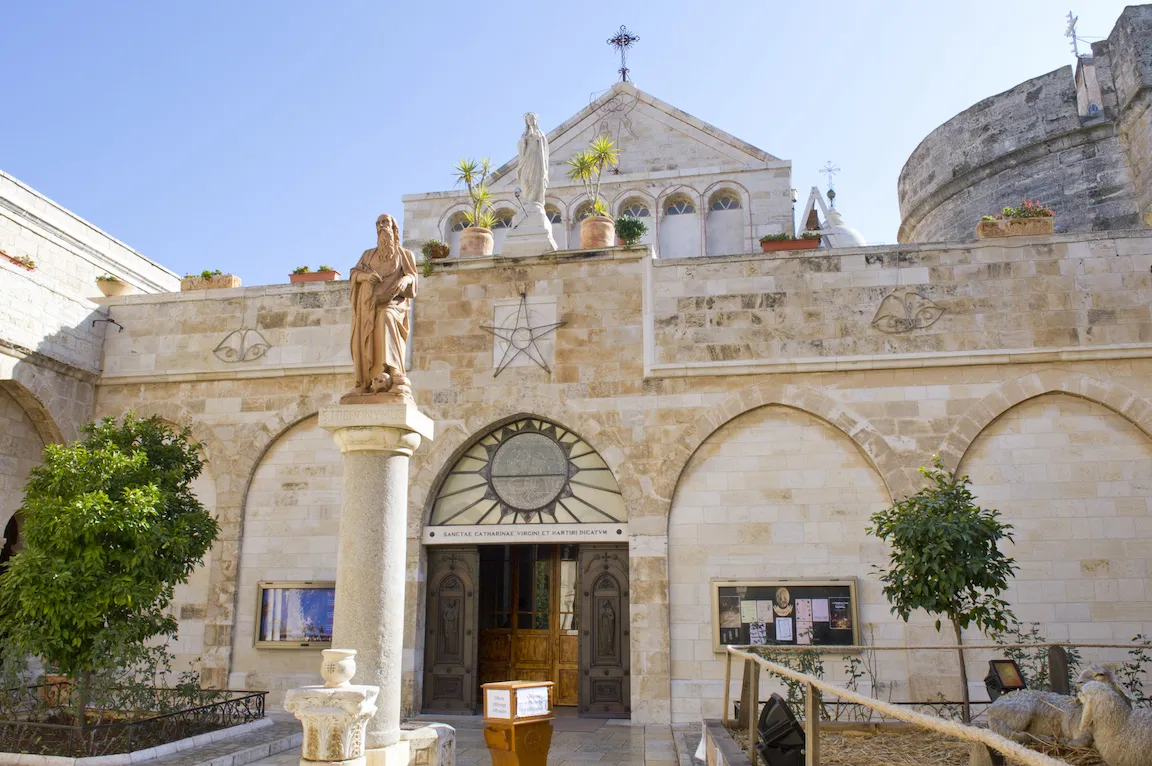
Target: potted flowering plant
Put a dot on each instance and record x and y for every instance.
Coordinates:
(770, 243)
(1029, 218)
(208, 280)
(435, 250)
(477, 238)
(305, 274)
(112, 286)
(587, 167)
(22, 261)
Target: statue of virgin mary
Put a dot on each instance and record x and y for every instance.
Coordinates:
(532, 169)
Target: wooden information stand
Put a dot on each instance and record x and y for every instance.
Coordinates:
(518, 722)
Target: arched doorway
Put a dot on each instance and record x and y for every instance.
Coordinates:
(527, 552)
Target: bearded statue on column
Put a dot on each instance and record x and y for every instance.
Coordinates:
(384, 283)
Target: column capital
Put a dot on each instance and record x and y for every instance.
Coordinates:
(395, 428)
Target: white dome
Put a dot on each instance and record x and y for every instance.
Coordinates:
(840, 234)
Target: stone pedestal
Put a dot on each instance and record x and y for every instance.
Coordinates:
(531, 234)
(333, 715)
(376, 440)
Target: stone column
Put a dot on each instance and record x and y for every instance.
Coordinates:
(376, 440)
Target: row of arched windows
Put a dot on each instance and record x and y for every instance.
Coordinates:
(678, 233)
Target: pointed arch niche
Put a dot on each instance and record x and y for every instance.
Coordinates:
(528, 479)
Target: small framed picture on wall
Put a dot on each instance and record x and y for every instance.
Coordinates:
(291, 615)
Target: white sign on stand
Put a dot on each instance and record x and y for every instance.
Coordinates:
(499, 703)
(532, 701)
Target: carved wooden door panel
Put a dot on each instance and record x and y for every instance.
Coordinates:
(604, 634)
(450, 640)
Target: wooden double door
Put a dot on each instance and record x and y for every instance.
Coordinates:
(541, 613)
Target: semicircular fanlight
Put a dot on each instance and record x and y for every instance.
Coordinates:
(529, 471)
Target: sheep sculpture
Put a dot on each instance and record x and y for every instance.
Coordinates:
(1120, 733)
(1028, 716)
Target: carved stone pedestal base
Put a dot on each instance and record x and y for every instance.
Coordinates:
(333, 715)
(531, 235)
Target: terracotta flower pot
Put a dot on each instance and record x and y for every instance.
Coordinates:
(439, 252)
(774, 245)
(314, 276)
(113, 287)
(211, 283)
(1016, 227)
(476, 241)
(597, 232)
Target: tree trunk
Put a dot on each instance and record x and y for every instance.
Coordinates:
(83, 690)
(963, 674)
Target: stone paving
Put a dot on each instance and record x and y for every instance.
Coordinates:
(575, 742)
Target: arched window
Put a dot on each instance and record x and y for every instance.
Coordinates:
(724, 200)
(637, 208)
(724, 224)
(529, 471)
(557, 221)
(679, 228)
(500, 229)
(582, 212)
(456, 224)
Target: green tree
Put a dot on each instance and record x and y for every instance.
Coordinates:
(587, 167)
(946, 559)
(110, 528)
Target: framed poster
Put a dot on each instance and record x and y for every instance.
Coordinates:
(291, 615)
(787, 612)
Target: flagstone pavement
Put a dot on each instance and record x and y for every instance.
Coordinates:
(575, 742)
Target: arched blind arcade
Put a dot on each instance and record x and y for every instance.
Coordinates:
(529, 471)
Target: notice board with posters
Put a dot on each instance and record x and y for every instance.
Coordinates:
(784, 612)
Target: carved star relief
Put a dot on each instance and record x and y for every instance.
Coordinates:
(521, 338)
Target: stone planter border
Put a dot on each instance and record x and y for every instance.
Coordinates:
(137, 756)
(220, 281)
(1016, 227)
(719, 747)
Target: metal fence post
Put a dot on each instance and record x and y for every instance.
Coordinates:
(753, 712)
(1058, 669)
(727, 687)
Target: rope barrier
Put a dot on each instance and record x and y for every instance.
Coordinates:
(825, 649)
(949, 728)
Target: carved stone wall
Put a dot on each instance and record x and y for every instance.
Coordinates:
(627, 376)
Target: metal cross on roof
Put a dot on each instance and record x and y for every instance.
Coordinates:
(622, 42)
(830, 170)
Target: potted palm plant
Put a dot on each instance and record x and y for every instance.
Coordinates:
(477, 238)
(587, 167)
(112, 286)
(1028, 219)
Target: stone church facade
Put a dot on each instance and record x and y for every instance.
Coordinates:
(698, 416)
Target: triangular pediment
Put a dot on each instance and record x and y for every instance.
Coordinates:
(652, 136)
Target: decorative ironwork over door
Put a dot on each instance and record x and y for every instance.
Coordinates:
(604, 639)
(450, 643)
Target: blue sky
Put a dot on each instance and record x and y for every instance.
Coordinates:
(256, 136)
